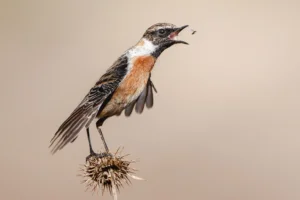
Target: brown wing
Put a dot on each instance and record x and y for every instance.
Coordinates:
(83, 115)
(145, 98)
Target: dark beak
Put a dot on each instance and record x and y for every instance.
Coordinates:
(176, 32)
(181, 28)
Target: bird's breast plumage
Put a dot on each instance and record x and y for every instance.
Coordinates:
(132, 85)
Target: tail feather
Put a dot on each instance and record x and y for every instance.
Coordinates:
(68, 131)
(73, 117)
(72, 134)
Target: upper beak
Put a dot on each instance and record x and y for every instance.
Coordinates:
(176, 32)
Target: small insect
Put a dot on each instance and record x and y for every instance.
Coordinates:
(193, 31)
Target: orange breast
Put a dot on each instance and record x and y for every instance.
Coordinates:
(131, 86)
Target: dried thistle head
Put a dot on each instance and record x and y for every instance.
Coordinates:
(107, 173)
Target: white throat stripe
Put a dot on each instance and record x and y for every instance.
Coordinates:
(145, 49)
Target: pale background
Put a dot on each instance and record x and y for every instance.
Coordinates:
(226, 119)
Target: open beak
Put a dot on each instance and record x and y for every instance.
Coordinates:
(174, 34)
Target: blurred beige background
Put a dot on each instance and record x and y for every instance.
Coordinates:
(226, 120)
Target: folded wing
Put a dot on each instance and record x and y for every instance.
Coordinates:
(87, 110)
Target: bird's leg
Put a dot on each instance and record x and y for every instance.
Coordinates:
(89, 139)
(99, 124)
(103, 139)
(92, 153)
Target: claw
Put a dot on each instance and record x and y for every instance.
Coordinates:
(104, 154)
(89, 156)
(98, 155)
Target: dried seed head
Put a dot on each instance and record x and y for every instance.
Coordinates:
(107, 173)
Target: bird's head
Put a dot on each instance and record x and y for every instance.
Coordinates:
(163, 36)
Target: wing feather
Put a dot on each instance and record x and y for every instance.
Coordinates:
(129, 109)
(139, 107)
(145, 98)
(149, 100)
(86, 111)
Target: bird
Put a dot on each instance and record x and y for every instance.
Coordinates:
(124, 86)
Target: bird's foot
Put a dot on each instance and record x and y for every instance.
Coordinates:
(98, 155)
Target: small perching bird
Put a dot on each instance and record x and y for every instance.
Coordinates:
(125, 85)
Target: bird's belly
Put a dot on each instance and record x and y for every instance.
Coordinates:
(123, 96)
(130, 88)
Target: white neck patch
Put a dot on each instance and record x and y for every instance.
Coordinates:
(141, 50)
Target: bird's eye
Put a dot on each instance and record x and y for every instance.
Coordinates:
(161, 31)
